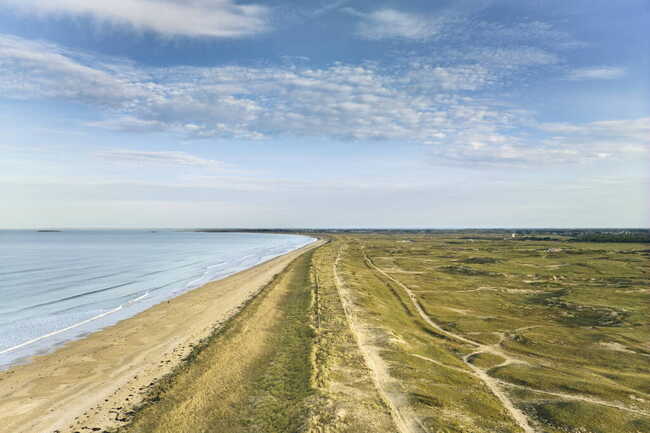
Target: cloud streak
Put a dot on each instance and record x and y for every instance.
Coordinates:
(393, 24)
(211, 18)
(172, 158)
(444, 107)
(597, 73)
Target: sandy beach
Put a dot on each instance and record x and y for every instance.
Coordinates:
(90, 384)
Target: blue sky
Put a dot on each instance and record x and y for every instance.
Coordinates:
(220, 113)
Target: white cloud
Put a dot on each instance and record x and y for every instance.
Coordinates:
(525, 33)
(160, 157)
(568, 143)
(510, 57)
(603, 139)
(34, 69)
(458, 22)
(597, 73)
(360, 102)
(215, 18)
(393, 24)
(130, 124)
(418, 102)
(635, 129)
(465, 77)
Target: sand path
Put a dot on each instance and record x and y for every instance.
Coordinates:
(96, 381)
(582, 398)
(403, 416)
(495, 385)
(517, 415)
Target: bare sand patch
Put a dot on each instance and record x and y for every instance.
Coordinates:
(617, 347)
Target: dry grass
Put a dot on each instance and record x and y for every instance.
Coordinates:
(562, 326)
(348, 401)
(252, 376)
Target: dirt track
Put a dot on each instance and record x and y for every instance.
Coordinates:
(403, 416)
(496, 386)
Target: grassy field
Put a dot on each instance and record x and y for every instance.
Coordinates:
(348, 400)
(428, 333)
(286, 363)
(252, 376)
(561, 329)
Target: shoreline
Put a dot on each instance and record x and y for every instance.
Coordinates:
(41, 344)
(86, 380)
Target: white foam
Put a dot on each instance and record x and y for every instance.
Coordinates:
(217, 258)
(51, 334)
(76, 325)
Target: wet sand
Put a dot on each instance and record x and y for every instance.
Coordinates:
(93, 383)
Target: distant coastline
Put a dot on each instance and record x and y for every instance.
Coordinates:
(135, 353)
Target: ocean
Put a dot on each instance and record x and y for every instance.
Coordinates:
(59, 286)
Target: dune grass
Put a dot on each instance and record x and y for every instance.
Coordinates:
(251, 376)
(573, 316)
(348, 401)
(562, 327)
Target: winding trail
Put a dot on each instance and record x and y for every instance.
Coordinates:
(402, 414)
(583, 398)
(575, 397)
(495, 385)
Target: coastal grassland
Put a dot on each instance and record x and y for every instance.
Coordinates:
(433, 382)
(473, 333)
(561, 328)
(348, 400)
(287, 363)
(252, 376)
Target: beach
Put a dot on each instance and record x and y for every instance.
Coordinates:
(90, 382)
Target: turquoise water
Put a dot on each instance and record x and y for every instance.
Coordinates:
(59, 286)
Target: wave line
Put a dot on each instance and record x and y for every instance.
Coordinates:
(51, 334)
(76, 325)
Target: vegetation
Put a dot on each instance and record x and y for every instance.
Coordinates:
(614, 237)
(561, 327)
(348, 401)
(252, 376)
(474, 333)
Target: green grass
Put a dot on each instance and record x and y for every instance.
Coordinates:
(576, 314)
(444, 399)
(251, 376)
(281, 382)
(561, 417)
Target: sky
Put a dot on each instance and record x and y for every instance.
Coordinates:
(311, 113)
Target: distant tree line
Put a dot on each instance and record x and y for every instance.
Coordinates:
(640, 236)
(530, 234)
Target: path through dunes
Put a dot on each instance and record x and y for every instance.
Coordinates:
(284, 364)
(541, 344)
(388, 388)
(386, 333)
(490, 382)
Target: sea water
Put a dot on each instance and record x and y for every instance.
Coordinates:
(58, 286)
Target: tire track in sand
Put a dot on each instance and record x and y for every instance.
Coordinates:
(402, 414)
(495, 385)
(492, 384)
